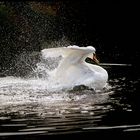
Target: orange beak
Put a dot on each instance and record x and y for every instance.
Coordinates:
(95, 59)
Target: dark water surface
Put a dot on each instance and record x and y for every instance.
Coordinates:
(31, 113)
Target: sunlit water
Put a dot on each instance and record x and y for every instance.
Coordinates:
(29, 109)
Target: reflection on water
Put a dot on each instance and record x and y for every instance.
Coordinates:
(28, 109)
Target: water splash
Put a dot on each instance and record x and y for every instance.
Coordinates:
(31, 96)
(39, 93)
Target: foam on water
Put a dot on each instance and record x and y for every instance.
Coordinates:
(16, 90)
(25, 96)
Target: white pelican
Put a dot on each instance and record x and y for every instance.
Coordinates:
(73, 70)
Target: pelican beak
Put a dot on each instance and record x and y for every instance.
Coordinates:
(95, 59)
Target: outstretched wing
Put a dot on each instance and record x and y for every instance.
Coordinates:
(71, 54)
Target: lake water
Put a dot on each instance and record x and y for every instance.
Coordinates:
(29, 111)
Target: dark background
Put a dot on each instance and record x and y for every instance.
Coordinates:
(109, 26)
